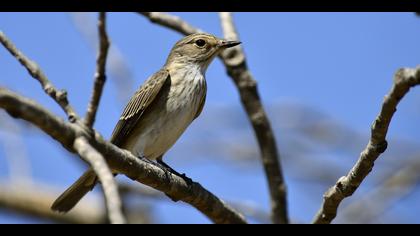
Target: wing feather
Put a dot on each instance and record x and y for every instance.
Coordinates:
(135, 108)
(203, 100)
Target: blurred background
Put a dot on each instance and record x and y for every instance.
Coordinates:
(322, 78)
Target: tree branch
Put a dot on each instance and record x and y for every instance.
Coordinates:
(35, 199)
(120, 160)
(32, 201)
(171, 22)
(98, 164)
(404, 79)
(100, 76)
(140, 191)
(374, 203)
(117, 68)
(234, 60)
(60, 96)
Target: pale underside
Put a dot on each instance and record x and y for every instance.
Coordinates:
(160, 112)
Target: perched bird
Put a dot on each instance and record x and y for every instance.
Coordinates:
(160, 110)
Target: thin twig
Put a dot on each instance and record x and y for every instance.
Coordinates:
(98, 164)
(117, 67)
(404, 79)
(100, 76)
(172, 22)
(60, 96)
(234, 61)
(119, 160)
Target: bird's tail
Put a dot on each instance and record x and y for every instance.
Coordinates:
(69, 198)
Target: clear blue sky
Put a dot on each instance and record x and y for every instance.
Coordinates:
(339, 63)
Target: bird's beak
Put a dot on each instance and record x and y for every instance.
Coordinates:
(228, 44)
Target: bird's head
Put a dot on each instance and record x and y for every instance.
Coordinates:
(198, 49)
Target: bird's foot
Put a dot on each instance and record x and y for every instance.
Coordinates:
(169, 169)
(187, 179)
(147, 160)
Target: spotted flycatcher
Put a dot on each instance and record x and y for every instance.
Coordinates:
(160, 110)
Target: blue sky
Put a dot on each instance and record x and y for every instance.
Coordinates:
(339, 63)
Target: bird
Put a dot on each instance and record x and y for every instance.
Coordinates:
(160, 110)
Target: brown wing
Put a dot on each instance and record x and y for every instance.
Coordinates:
(203, 100)
(143, 97)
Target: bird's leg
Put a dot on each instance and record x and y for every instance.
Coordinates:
(166, 167)
(145, 159)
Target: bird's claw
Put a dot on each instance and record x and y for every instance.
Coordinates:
(187, 179)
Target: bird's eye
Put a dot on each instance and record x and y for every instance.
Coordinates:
(200, 43)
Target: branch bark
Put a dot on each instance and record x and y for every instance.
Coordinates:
(404, 79)
(98, 164)
(235, 63)
(119, 160)
(100, 76)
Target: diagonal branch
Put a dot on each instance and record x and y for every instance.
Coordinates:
(237, 69)
(404, 79)
(235, 63)
(100, 76)
(120, 160)
(60, 96)
(375, 203)
(98, 164)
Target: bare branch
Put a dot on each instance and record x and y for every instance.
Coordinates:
(60, 96)
(374, 203)
(235, 62)
(251, 210)
(98, 164)
(100, 76)
(404, 79)
(120, 160)
(30, 200)
(26, 109)
(172, 22)
(237, 69)
(117, 67)
(35, 199)
(140, 191)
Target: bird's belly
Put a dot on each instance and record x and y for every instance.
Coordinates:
(158, 134)
(162, 134)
